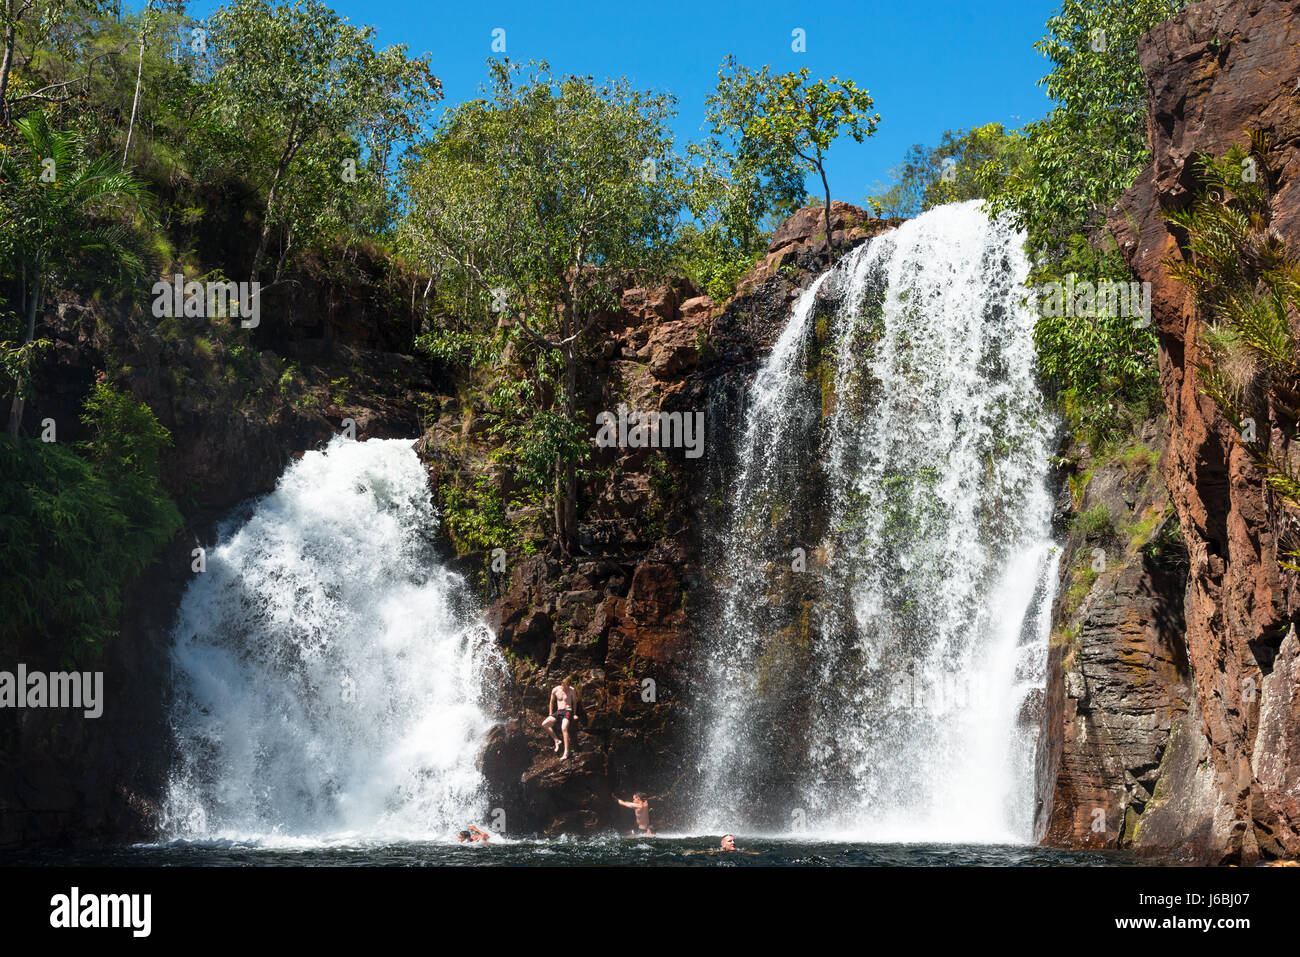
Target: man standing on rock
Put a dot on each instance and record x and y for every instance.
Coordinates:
(564, 702)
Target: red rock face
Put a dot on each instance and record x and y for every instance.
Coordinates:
(1227, 789)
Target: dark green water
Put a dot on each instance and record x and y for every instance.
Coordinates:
(608, 851)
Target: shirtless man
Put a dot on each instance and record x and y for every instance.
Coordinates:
(563, 702)
(641, 806)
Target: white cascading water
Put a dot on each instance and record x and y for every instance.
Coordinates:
(331, 680)
(911, 715)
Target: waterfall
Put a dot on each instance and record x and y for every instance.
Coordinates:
(331, 677)
(876, 650)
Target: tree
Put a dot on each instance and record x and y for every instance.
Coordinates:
(53, 232)
(1093, 143)
(78, 527)
(795, 118)
(49, 30)
(549, 196)
(737, 188)
(148, 22)
(739, 182)
(905, 195)
(1079, 160)
(974, 164)
(311, 88)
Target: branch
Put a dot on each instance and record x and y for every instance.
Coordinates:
(39, 94)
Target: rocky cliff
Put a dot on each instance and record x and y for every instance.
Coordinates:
(620, 614)
(337, 343)
(1176, 715)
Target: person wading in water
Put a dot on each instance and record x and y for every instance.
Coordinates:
(641, 806)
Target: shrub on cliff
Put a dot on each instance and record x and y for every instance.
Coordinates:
(1248, 286)
(63, 228)
(538, 204)
(79, 527)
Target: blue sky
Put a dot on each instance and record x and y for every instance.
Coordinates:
(930, 66)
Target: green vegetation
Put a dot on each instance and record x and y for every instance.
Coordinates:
(1095, 524)
(1058, 178)
(315, 95)
(1078, 161)
(766, 133)
(217, 153)
(542, 200)
(739, 189)
(795, 122)
(77, 527)
(57, 231)
(1247, 285)
(966, 165)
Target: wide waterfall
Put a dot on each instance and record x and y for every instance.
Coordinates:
(332, 679)
(877, 647)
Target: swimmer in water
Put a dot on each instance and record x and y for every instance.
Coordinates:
(472, 835)
(727, 846)
(641, 806)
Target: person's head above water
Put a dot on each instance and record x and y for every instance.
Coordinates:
(728, 842)
(463, 836)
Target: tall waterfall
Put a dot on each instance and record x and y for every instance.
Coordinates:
(877, 649)
(331, 678)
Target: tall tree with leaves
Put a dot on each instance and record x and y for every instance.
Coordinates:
(61, 218)
(737, 188)
(550, 195)
(308, 86)
(1093, 143)
(798, 120)
(1078, 160)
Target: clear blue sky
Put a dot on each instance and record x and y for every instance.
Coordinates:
(930, 66)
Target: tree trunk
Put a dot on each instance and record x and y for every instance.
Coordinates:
(10, 38)
(139, 74)
(560, 536)
(570, 476)
(830, 245)
(264, 240)
(16, 408)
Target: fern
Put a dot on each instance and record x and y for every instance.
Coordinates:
(1247, 285)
